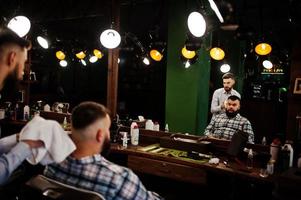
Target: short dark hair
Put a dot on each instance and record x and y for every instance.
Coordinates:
(234, 98)
(228, 75)
(87, 113)
(7, 36)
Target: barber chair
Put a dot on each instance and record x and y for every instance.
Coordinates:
(43, 188)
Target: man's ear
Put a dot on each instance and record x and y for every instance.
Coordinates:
(11, 58)
(99, 135)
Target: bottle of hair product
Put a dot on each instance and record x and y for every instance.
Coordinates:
(135, 136)
(26, 112)
(125, 140)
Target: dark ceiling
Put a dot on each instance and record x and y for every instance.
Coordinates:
(276, 21)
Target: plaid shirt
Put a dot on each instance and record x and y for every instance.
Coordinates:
(100, 175)
(221, 126)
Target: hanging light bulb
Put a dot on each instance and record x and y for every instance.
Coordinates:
(110, 38)
(187, 64)
(156, 55)
(20, 25)
(93, 59)
(83, 62)
(146, 61)
(267, 64)
(63, 63)
(196, 24)
(225, 68)
(217, 53)
(80, 55)
(98, 53)
(188, 54)
(43, 42)
(263, 49)
(60, 55)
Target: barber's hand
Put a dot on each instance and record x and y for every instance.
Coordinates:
(225, 104)
(34, 143)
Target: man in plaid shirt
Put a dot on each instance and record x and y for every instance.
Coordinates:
(224, 125)
(86, 168)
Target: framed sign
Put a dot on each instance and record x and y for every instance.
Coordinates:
(297, 87)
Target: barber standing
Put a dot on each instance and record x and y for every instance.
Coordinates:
(13, 55)
(220, 96)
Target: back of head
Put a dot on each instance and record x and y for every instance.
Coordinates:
(7, 36)
(234, 98)
(228, 75)
(86, 113)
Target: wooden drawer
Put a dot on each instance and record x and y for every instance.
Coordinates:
(167, 169)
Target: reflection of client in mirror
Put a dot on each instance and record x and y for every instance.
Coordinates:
(224, 125)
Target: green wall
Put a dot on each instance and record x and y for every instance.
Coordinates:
(187, 90)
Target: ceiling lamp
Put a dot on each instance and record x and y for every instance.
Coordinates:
(267, 64)
(263, 49)
(60, 55)
(156, 55)
(146, 61)
(110, 38)
(63, 63)
(188, 54)
(81, 55)
(225, 68)
(98, 53)
(187, 64)
(20, 25)
(217, 53)
(216, 10)
(196, 24)
(93, 59)
(43, 42)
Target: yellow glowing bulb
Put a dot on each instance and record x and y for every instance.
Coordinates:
(60, 55)
(188, 54)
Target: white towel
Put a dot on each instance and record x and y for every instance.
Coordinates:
(58, 145)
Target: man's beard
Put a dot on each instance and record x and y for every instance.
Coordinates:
(11, 86)
(231, 114)
(106, 147)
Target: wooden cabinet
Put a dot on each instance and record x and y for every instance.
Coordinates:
(167, 169)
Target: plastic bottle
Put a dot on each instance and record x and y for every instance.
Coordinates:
(156, 126)
(26, 112)
(125, 140)
(135, 136)
(264, 141)
(149, 125)
(250, 159)
(133, 124)
(166, 128)
(65, 123)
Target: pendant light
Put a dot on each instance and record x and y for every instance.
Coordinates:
(20, 25)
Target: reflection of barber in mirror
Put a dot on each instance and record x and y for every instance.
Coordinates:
(219, 98)
(224, 125)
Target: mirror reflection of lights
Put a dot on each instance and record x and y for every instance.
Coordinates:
(196, 24)
(93, 59)
(81, 55)
(187, 64)
(43, 42)
(19, 24)
(188, 54)
(63, 63)
(263, 49)
(97, 53)
(267, 64)
(83, 62)
(217, 53)
(155, 55)
(110, 38)
(60, 55)
(146, 61)
(225, 68)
